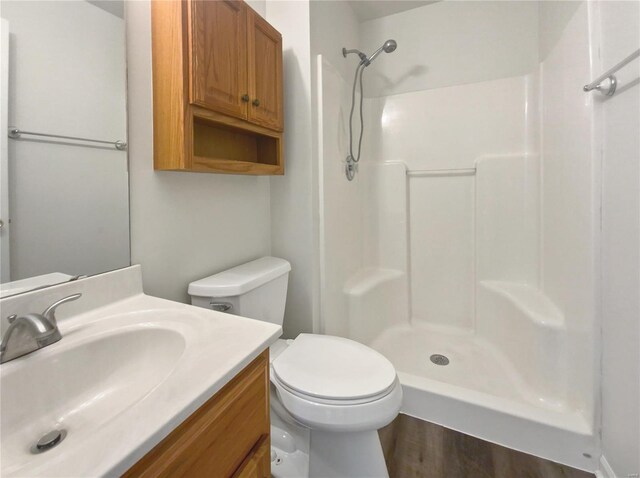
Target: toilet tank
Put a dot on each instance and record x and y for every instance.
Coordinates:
(257, 289)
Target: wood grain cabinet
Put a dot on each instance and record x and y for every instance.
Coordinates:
(217, 88)
(218, 56)
(227, 437)
(264, 55)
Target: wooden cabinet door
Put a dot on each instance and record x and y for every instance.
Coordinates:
(218, 56)
(265, 72)
(258, 463)
(229, 432)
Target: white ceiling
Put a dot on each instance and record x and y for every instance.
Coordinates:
(370, 9)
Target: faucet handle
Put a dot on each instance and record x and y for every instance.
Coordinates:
(50, 313)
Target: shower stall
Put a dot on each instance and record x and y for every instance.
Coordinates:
(465, 249)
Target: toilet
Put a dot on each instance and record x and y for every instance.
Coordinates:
(340, 390)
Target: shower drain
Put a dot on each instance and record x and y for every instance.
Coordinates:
(439, 359)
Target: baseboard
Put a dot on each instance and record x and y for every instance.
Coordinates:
(604, 469)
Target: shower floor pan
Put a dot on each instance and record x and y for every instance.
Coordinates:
(481, 394)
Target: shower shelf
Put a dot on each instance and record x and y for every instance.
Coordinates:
(530, 301)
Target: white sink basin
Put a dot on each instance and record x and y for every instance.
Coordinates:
(82, 386)
(119, 381)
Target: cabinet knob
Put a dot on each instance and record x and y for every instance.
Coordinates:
(245, 98)
(256, 102)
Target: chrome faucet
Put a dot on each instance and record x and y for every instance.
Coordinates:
(41, 330)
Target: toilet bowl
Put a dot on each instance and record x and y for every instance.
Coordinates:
(339, 389)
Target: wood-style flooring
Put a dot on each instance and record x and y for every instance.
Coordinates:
(417, 449)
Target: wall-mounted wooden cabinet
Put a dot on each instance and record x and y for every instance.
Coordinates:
(217, 88)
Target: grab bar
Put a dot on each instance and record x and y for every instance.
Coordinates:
(609, 75)
(15, 133)
(421, 173)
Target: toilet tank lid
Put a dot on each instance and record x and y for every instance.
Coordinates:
(240, 279)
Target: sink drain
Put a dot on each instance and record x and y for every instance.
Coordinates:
(439, 359)
(48, 441)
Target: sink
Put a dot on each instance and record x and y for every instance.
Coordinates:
(123, 376)
(81, 386)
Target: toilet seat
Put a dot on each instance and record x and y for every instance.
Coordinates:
(347, 416)
(333, 370)
(329, 401)
(319, 381)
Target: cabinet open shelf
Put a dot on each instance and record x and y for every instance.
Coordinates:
(223, 148)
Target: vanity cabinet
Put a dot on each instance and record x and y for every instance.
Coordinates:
(227, 437)
(217, 88)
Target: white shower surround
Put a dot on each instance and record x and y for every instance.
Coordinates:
(471, 230)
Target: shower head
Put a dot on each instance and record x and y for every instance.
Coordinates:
(388, 47)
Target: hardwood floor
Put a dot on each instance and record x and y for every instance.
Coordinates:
(417, 449)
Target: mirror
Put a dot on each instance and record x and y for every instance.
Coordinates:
(64, 186)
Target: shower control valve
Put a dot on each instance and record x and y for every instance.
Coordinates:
(351, 167)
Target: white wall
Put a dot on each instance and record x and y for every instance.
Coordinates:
(450, 127)
(334, 26)
(68, 204)
(184, 226)
(293, 220)
(552, 20)
(569, 190)
(506, 224)
(442, 249)
(620, 30)
(451, 43)
(5, 257)
(342, 233)
(459, 87)
(259, 6)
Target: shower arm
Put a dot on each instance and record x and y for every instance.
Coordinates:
(363, 57)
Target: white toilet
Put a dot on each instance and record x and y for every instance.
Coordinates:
(341, 390)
